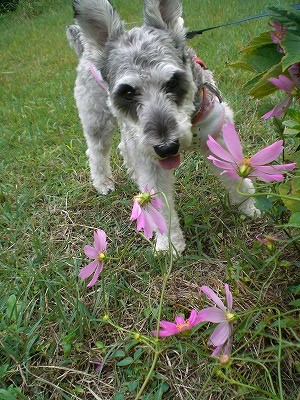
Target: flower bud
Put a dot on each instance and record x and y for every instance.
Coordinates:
(136, 336)
(224, 359)
(105, 318)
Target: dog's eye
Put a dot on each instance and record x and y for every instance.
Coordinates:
(127, 93)
(172, 85)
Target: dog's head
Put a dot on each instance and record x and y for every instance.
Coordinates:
(147, 69)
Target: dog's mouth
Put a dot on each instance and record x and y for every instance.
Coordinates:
(170, 162)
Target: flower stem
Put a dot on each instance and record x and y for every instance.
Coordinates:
(281, 196)
(164, 285)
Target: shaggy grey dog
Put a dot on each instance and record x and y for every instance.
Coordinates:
(154, 87)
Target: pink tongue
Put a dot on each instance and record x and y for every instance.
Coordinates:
(170, 162)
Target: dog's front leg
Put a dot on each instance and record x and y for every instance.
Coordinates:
(98, 124)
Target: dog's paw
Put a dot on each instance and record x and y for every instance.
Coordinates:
(248, 208)
(104, 187)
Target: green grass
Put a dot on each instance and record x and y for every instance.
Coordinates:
(51, 326)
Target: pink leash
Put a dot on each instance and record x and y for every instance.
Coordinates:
(98, 77)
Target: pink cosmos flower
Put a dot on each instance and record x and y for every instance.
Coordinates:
(97, 364)
(235, 165)
(268, 240)
(221, 338)
(290, 86)
(278, 34)
(98, 254)
(180, 325)
(146, 211)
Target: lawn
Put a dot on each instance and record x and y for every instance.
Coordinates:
(53, 329)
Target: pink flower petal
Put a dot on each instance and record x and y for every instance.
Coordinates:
(200, 317)
(96, 275)
(294, 71)
(193, 318)
(228, 296)
(279, 109)
(165, 333)
(148, 224)
(156, 202)
(223, 164)
(157, 218)
(136, 211)
(232, 174)
(271, 169)
(100, 240)
(267, 177)
(85, 272)
(214, 314)
(90, 251)
(232, 142)
(220, 334)
(283, 83)
(267, 155)
(217, 350)
(179, 320)
(213, 296)
(168, 326)
(141, 221)
(218, 150)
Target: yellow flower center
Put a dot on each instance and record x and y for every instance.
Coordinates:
(245, 168)
(230, 317)
(184, 324)
(143, 198)
(101, 257)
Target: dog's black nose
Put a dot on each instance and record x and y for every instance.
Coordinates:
(167, 149)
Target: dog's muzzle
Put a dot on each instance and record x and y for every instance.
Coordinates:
(167, 149)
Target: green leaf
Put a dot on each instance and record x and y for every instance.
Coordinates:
(264, 203)
(12, 308)
(261, 86)
(295, 303)
(242, 65)
(294, 289)
(132, 386)
(118, 354)
(295, 157)
(291, 45)
(5, 395)
(259, 41)
(288, 16)
(264, 58)
(125, 361)
(119, 396)
(294, 115)
(292, 188)
(295, 220)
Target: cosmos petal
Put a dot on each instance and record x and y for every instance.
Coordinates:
(90, 251)
(267, 155)
(220, 334)
(232, 142)
(214, 314)
(213, 296)
(218, 150)
(85, 272)
(96, 275)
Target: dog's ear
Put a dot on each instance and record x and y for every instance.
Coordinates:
(98, 21)
(163, 14)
